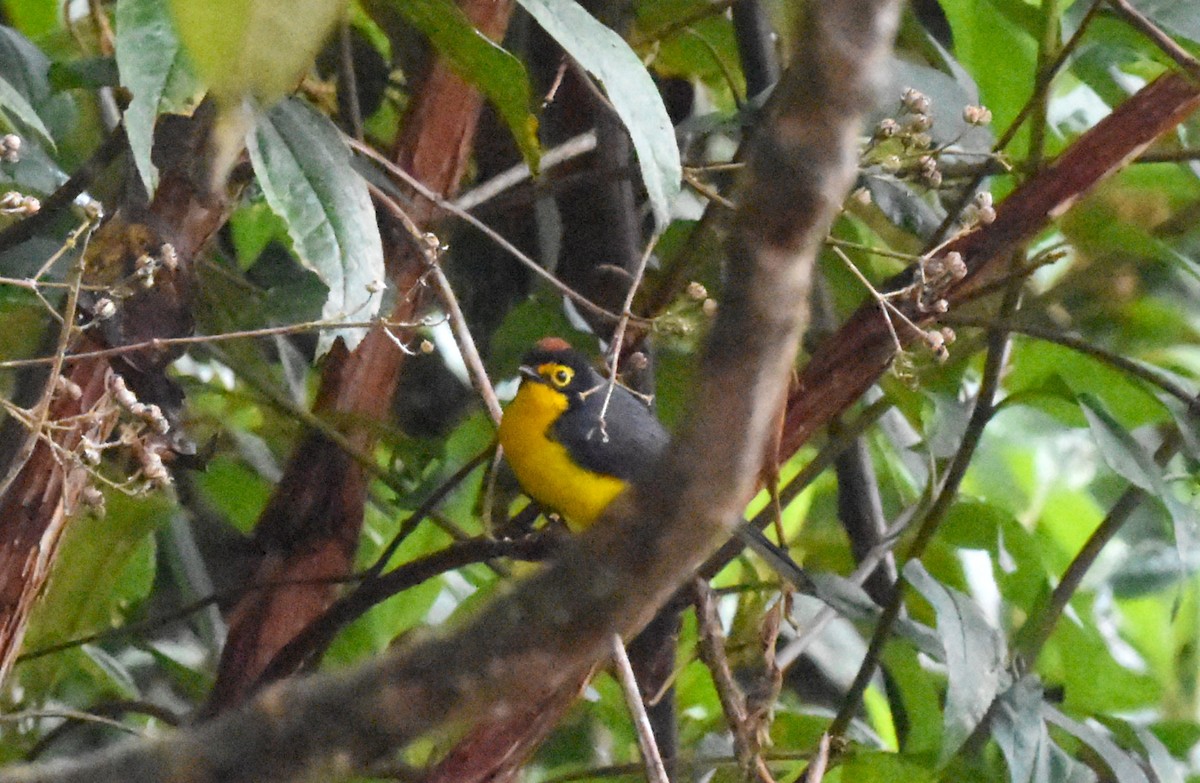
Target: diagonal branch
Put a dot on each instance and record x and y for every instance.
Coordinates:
(554, 626)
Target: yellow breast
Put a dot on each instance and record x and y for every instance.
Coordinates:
(542, 465)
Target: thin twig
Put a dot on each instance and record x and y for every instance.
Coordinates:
(710, 647)
(1182, 58)
(655, 771)
(427, 245)
(69, 714)
(568, 150)
(1036, 631)
(483, 228)
(41, 412)
(202, 339)
(1141, 371)
(985, 401)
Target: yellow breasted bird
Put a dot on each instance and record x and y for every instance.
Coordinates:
(573, 460)
(567, 455)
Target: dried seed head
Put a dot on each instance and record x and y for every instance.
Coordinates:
(696, 291)
(427, 347)
(977, 115)
(104, 309)
(11, 200)
(375, 286)
(948, 335)
(709, 308)
(890, 164)
(861, 196)
(168, 256)
(915, 101)
(955, 267)
(92, 497)
(637, 361)
(887, 128)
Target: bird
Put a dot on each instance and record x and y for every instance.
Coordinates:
(574, 439)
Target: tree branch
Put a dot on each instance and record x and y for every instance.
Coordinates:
(555, 625)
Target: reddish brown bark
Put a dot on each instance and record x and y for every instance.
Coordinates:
(858, 353)
(853, 358)
(309, 530)
(36, 508)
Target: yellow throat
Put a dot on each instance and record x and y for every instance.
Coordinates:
(543, 466)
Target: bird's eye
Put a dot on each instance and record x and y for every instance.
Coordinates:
(562, 376)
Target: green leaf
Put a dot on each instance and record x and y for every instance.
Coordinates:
(1173, 16)
(304, 170)
(975, 655)
(103, 566)
(1124, 767)
(156, 72)
(998, 50)
(1019, 730)
(253, 48)
(881, 767)
(14, 104)
(495, 72)
(25, 83)
(1131, 461)
(634, 97)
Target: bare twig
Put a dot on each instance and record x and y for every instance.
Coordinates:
(483, 228)
(568, 150)
(651, 758)
(710, 647)
(1160, 39)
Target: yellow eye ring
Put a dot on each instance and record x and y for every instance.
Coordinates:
(562, 376)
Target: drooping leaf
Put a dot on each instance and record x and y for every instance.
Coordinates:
(634, 97)
(14, 105)
(495, 72)
(1130, 460)
(1165, 768)
(155, 70)
(975, 655)
(104, 565)
(304, 170)
(1020, 731)
(255, 49)
(1122, 764)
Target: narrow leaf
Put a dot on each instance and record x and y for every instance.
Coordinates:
(1123, 766)
(155, 70)
(975, 654)
(495, 72)
(634, 96)
(15, 105)
(1020, 731)
(1131, 461)
(304, 170)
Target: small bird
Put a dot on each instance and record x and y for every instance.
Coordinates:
(573, 453)
(572, 445)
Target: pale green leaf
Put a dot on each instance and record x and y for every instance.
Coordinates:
(156, 72)
(304, 170)
(256, 49)
(975, 655)
(634, 97)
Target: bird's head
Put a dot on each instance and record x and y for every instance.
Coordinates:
(554, 363)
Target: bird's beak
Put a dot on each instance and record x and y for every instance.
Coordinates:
(529, 372)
